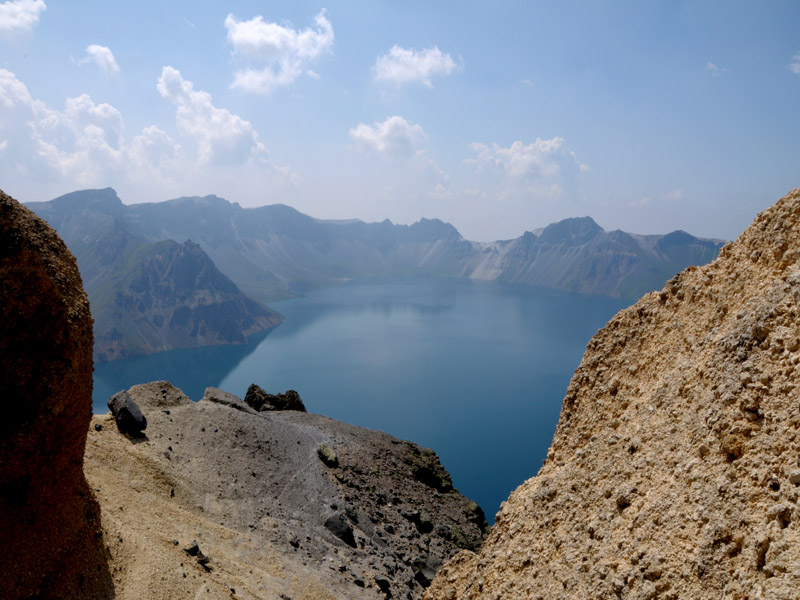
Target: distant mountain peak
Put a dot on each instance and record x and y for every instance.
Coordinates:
(573, 231)
(105, 199)
(434, 227)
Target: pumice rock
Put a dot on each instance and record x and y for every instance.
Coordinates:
(673, 470)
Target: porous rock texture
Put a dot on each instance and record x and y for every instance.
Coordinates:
(674, 469)
(270, 519)
(49, 520)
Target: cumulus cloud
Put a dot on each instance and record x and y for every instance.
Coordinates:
(541, 158)
(402, 65)
(221, 137)
(84, 145)
(283, 53)
(20, 16)
(543, 172)
(394, 137)
(102, 57)
(79, 143)
(155, 156)
(794, 66)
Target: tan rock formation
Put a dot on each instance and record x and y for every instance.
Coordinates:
(674, 469)
(49, 520)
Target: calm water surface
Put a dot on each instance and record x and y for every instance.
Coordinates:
(475, 370)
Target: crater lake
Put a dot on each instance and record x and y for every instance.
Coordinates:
(475, 370)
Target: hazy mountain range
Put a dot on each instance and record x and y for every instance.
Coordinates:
(137, 281)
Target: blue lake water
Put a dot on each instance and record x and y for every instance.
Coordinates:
(475, 370)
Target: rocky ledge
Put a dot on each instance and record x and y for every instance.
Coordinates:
(219, 499)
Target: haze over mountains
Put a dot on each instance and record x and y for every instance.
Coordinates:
(274, 252)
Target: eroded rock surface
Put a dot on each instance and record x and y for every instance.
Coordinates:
(674, 469)
(49, 521)
(272, 518)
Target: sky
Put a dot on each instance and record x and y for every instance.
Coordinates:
(498, 117)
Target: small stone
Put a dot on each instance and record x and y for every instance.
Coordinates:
(98, 427)
(383, 584)
(193, 549)
(337, 524)
(328, 456)
(128, 416)
(260, 400)
(425, 568)
(794, 477)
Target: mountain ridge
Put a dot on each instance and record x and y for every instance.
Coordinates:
(274, 251)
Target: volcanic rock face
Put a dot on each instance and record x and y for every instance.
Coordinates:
(674, 470)
(48, 517)
(257, 497)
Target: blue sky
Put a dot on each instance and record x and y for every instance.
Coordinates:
(497, 117)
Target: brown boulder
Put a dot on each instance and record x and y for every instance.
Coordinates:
(49, 520)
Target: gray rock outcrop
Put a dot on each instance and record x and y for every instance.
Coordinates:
(252, 489)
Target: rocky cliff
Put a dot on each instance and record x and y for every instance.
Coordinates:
(675, 468)
(49, 519)
(149, 294)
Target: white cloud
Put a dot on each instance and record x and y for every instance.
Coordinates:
(394, 137)
(539, 159)
(285, 53)
(221, 137)
(794, 66)
(83, 145)
(528, 177)
(20, 16)
(13, 92)
(716, 70)
(84, 141)
(155, 156)
(102, 57)
(403, 65)
(673, 195)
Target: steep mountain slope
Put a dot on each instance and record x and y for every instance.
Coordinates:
(169, 295)
(274, 251)
(147, 296)
(674, 471)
